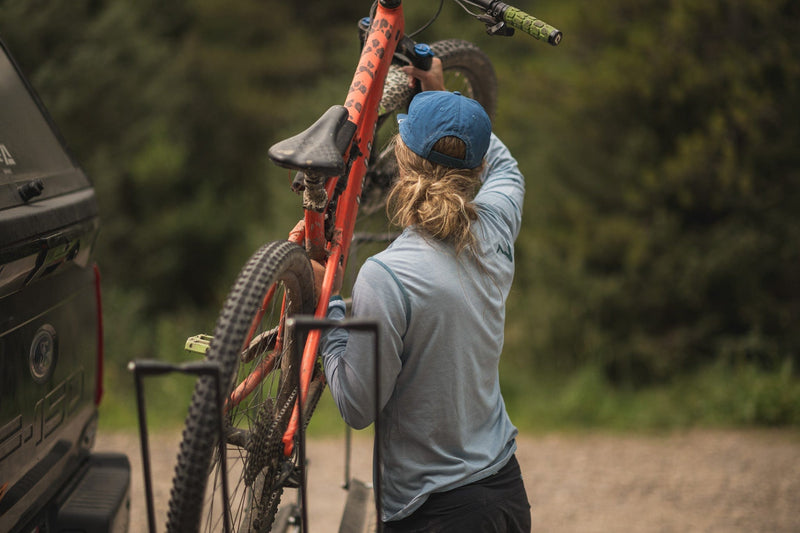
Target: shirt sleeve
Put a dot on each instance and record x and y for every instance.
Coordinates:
(349, 357)
(503, 188)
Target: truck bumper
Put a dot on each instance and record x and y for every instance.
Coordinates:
(100, 501)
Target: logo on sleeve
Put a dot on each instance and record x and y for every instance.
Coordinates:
(505, 251)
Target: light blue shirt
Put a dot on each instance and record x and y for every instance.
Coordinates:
(441, 318)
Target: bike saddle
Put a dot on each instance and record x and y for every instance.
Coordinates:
(320, 149)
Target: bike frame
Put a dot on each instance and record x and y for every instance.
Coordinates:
(363, 99)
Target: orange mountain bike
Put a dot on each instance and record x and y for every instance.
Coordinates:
(342, 168)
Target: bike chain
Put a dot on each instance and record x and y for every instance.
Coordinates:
(265, 446)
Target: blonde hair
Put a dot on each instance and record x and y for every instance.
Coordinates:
(434, 198)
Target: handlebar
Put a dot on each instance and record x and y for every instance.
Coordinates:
(516, 18)
(531, 25)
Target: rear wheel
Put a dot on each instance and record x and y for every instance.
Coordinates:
(467, 69)
(249, 337)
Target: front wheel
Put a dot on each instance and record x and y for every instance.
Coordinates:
(250, 339)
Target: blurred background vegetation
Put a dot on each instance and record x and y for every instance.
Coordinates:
(658, 270)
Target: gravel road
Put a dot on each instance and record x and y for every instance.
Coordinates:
(696, 481)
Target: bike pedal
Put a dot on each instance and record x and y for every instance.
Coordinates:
(198, 344)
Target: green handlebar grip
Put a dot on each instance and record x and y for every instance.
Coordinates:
(531, 25)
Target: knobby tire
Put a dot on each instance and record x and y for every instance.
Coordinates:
(257, 469)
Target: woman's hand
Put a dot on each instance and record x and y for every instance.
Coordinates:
(430, 80)
(319, 275)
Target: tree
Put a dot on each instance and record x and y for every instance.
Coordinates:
(669, 235)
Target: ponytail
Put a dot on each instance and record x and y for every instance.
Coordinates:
(434, 198)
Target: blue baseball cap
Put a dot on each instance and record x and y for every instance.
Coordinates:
(433, 115)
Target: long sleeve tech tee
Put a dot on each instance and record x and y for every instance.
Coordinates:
(441, 319)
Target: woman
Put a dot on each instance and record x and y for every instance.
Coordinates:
(438, 293)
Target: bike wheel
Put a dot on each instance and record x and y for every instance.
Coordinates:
(249, 337)
(467, 69)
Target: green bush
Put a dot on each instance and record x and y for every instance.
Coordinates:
(718, 395)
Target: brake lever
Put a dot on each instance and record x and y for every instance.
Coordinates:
(496, 27)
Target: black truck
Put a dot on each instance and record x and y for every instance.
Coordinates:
(51, 336)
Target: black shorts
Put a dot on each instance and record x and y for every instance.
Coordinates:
(498, 503)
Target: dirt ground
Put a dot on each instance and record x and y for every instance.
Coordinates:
(697, 481)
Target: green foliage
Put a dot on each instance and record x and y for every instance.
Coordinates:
(719, 395)
(666, 234)
(134, 335)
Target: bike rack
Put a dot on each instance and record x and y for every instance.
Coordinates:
(306, 324)
(157, 368)
(145, 368)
